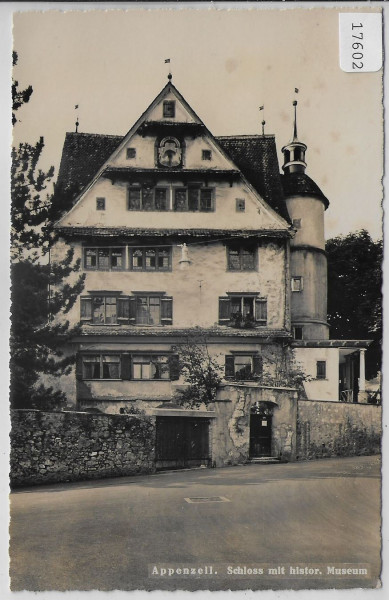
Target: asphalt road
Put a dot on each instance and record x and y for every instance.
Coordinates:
(112, 534)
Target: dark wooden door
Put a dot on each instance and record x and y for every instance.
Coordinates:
(260, 435)
(181, 442)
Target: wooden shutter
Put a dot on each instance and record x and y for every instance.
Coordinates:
(174, 367)
(224, 310)
(86, 308)
(229, 366)
(125, 366)
(167, 310)
(257, 365)
(123, 309)
(132, 309)
(261, 310)
(78, 366)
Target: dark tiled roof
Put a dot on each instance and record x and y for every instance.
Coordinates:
(82, 155)
(299, 184)
(256, 157)
(166, 331)
(134, 232)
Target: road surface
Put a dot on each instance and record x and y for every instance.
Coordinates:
(297, 523)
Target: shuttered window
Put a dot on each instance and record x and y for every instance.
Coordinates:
(121, 310)
(243, 367)
(127, 366)
(240, 311)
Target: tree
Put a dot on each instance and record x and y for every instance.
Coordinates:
(200, 371)
(37, 332)
(354, 292)
(19, 97)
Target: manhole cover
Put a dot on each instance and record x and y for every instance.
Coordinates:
(207, 499)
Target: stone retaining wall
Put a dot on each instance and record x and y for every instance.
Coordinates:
(51, 447)
(327, 429)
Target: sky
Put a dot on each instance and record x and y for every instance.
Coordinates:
(226, 63)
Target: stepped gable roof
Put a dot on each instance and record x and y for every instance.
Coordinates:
(299, 184)
(256, 157)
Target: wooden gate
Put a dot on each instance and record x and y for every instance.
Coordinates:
(181, 442)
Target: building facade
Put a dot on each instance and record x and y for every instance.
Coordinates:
(184, 234)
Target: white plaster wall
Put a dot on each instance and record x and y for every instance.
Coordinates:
(192, 306)
(320, 389)
(182, 115)
(256, 216)
(311, 212)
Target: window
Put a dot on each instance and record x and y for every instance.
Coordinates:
(101, 366)
(298, 333)
(100, 203)
(297, 154)
(169, 109)
(104, 259)
(131, 152)
(242, 310)
(241, 258)
(99, 310)
(150, 259)
(117, 309)
(321, 368)
(153, 310)
(146, 366)
(296, 223)
(206, 154)
(296, 284)
(148, 198)
(240, 205)
(243, 366)
(193, 199)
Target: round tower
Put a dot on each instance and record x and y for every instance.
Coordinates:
(308, 261)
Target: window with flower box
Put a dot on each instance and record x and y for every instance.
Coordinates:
(243, 366)
(242, 310)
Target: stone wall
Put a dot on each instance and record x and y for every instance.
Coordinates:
(327, 429)
(231, 428)
(49, 447)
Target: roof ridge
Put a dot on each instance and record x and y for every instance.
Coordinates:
(248, 136)
(100, 135)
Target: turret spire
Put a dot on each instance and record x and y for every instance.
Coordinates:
(294, 152)
(295, 139)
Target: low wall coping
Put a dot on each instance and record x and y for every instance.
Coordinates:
(169, 412)
(260, 387)
(339, 402)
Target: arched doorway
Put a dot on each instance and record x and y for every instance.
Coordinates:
(261, 416)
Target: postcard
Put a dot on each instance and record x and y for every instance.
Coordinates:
(196, 265)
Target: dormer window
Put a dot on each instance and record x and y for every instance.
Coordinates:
(169, 109)
(206, 154)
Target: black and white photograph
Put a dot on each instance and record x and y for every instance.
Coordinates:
(196, 322)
